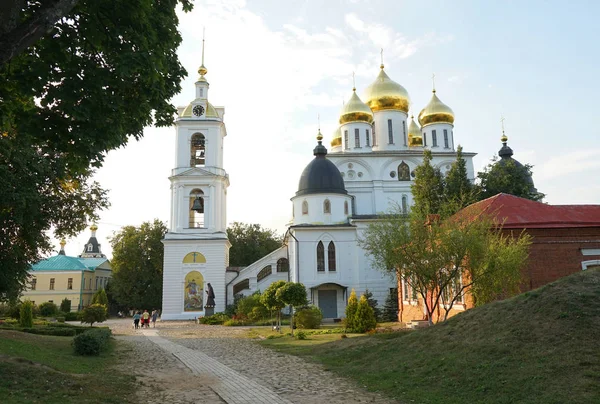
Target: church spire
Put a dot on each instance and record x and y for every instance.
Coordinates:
(62, 247)
(202, 70)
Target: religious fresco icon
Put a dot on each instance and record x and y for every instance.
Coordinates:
(194, 258)
(194, 292)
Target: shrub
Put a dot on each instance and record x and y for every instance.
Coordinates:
(390, 309)
(72, 316)
(217, 318)
(60, 319)
(351, 310)
(59, 332)
(364, 319)
(233, 322)
(26, 314)
(14, 311)
(100, 298)
(65, 305)
(309, 317)
(94, 313)
(373, 304)
(301, 335)
(91, 342)
(252, 307)
(343, 336)
(48, 309)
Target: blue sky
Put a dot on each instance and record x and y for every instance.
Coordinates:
(275, 65)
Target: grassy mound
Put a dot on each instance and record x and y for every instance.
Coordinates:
(538, 347)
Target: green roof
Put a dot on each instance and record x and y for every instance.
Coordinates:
(64, 263)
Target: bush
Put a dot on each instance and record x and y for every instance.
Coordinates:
(60, 319)
(59, 332)
(309, 317)
(252, 307)
(390, 309)
(26, 314)
(65, 305)
(364, 319)
(233, 322)
(351, 310)
(14, 311)
(373, 304)
(72, 316)
(217, 318)
(94, 313)
(300, 335)
(100, 297)
(48, 309)
(343, 336)
(91, 342)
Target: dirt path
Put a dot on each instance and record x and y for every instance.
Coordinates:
(162, 378)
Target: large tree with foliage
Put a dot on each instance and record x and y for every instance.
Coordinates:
(137, 265)
(459, 191)
(443, 260)
(510, 177)
(427, 188)
(250, 242)
(77, 79)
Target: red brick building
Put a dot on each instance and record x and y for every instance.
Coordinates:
(565, 240)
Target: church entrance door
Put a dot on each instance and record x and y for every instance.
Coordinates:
(328, 303)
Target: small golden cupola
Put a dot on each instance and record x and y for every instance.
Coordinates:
(384, 94)
(436, 112)
(355, 111)
(337, 138)
(415, 137)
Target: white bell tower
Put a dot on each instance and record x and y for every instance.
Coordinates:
(196, 246)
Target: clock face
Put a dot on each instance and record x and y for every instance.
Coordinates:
(198, 110)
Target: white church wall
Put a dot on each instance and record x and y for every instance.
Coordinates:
(399, 130)
(316, 207)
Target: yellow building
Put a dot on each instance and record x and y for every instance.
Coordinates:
(74, 278)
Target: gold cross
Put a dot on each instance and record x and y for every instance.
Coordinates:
(502, 122)
(353, 82)
(381, 57)
(433, 81)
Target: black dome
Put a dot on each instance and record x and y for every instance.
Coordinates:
(506, 154)
(321, 176)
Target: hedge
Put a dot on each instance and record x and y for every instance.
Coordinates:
(92, 342)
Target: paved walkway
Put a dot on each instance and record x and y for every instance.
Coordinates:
(231, 386)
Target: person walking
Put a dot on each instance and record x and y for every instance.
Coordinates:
(146, 319)
(154, 317)
(136, 320)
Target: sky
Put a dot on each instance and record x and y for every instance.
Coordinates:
(277, 66)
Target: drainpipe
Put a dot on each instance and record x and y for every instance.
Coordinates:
(227, 286)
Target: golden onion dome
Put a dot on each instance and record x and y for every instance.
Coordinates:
(436, 112)
(337, 138)
(415, 137)
(355, 110)
(385, 93)
(93, 227)
(211, 111)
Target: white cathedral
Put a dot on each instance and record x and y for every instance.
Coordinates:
(369, 170)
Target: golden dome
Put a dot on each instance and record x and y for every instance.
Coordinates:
(93, 227)
(211, 112)
(202, 70)
(63, 243)
(436, 112)
(415, 137)
(355, 110)
(385, 93)
(337, 138)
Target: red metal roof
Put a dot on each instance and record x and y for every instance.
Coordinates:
(524, 213)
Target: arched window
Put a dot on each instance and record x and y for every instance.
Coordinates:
(326, 206)
(345, 207)
(403, 172)
(238, 287)
(305, 208)
(198, 150)
(331, 256)
(404, 204)
(283, 265)
(196, 208)
(320, 257)
(266, 271)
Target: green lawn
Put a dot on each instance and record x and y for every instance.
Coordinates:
(44, 369)
(539, 347)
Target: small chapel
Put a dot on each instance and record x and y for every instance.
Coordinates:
(368, 170)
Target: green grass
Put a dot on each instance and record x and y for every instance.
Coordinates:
(44, 369)
(539, 347)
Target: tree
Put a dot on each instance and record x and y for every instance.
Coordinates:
(137, 265)
(94, 313)
(75, 69)
(351, 311)
(373, 303)
(442, 260)
(459, 191)
(294, 295)
(510, 177)
(364, 318)
(428, 188)
(250, 242)
(272, 301)
(100, 297)
(65, 305)
(390, 308)
(26, 314)
(48, 309)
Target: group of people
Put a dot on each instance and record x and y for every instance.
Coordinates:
(144, 318)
